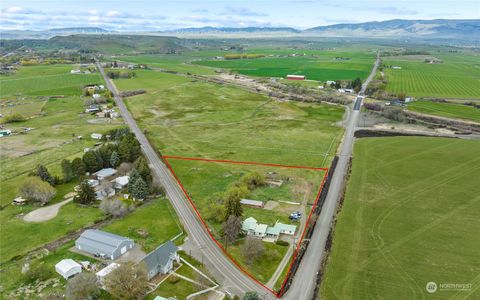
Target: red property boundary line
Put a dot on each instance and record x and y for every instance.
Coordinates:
(314, 206)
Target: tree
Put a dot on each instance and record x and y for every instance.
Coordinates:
(134, 175)
(357, 84)
(83, 286)
(86, 195)
(139, 189)
(401, 96)
(143, 169)
(124, 168)
(67, 170)
(43, 173)
(231, 229)
(252, 249)
(34, 189)
(232, 201)
(251, 296)
(114, 159)
(253, 180)
(91, 162)
(115, 208)
(128, 281)
(78, 167)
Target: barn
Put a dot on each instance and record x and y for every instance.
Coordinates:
(103, 244)
(68, 268)
(296, 77)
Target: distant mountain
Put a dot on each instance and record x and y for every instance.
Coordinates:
(79, 30)
(440, 28)
(48, 33)
(208, 30)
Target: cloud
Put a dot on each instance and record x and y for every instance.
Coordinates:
(391, 10)
(19, 10)
(243, 11)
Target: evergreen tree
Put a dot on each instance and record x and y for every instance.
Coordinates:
(139, 189)
(114, 159)
(91, 162)
(103, 156)
(86, 195)
(67, 170)
(43, 173)
(134, 176)
(78, 167)
(232, 201)
(143, 169)
(99, 158)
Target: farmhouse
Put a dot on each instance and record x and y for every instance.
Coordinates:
(68, 268)
(120, 182)
(296, 77)
(330, 82)
(252, 203)
(160, 260)
(104, 173)
(251, 227)
(103, 244)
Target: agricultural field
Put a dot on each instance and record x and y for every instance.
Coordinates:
(458, 76)
(45, 137)
(176, 63)
(189, 118)
(449, 110)
(315, 65)
(407, 220)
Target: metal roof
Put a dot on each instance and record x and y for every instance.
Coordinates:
(66, 264)
(251, 202)
(105, 172)
(105, 241)
(160, 256)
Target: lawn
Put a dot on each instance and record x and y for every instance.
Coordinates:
(457, 77)
(449, 110)
(315, 65)
(156, 218)
(410, 217)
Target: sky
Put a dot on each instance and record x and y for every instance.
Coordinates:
(140, 15)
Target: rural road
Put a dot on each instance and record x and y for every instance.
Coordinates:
(216, 261)
(304, 282)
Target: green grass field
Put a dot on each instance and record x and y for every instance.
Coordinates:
(45, 80)
(410, 216)
(449, 110)
(457, 77)
(315, 65)
(177, 63)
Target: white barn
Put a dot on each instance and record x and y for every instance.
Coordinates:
(68, 268)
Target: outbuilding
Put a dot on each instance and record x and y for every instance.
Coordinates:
(252, 203)
(104, 173)
(296, 77)
(96, 136)
(103, 244)
(105, 272)
(68, 268)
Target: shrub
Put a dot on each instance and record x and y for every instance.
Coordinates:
(14, 118)
(173, 279)
(282, 243)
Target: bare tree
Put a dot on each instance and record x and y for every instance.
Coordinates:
(115, 208)
(124, 168)
(83, 286)
(252, 249)
(231, 228)
(129, 281)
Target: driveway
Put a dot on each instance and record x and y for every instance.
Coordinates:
(45, 213)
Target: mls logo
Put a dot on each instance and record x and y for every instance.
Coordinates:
(431, 287)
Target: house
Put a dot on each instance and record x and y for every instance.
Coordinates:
(104, 244)
(104, 273)
(5, 132)
(77, 71)
(296, 77)
(408, 99)
(104, 173)
(252, 203)
(92, 109)
(19, 201)
(251, 227)
(349, 91)
(104, 193)
(160, 260)
(96, 136)
(120, 182)
(93, 183)
(96, 96)
(68, 268)
(330, 82)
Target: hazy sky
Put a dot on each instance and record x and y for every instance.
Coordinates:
(156, 15)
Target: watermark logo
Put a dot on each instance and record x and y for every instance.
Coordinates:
(431, 287)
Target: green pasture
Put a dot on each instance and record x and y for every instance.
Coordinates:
(409, 217)
(449, 110)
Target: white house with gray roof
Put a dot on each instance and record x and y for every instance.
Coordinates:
(104, 244)
(160, 260)
(251, 227)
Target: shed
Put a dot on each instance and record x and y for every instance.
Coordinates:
(19, 201)
(96, 136)
(103, 244)
(252, 203)
(68, 268)
(160, 260)
(104, 173)
(296, 77)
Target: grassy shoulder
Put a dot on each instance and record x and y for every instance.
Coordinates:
(448, 110)
(408, 219)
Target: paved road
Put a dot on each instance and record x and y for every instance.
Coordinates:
(215, 258)
(304, 281)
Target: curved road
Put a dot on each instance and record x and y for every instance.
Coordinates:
(304, 282)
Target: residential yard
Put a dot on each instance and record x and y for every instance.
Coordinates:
(410, 216)
(448, 110)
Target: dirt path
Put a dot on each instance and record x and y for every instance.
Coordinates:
(45, 213)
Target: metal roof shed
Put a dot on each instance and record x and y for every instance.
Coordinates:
(104, 244)
(68, 268)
